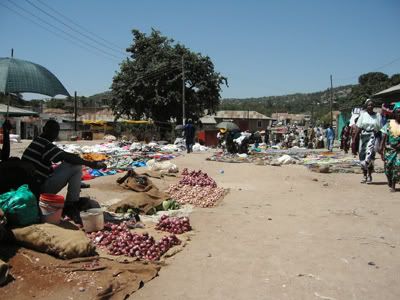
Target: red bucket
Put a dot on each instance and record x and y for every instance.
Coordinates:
(51, 206)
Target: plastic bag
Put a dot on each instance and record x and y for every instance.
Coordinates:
(20, 206)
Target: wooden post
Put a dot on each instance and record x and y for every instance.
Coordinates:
(75, 113)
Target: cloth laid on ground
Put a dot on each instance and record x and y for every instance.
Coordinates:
(141, 201)
(165, 166)
(20, 206)
(147, 195)
(157, 174)
(3, 272)
(118, 280)
(88, 173)
(95, 156)
(335, 162)
(97, 277)
(53, 239)
(229, 158)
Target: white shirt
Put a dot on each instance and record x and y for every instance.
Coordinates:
(369, 122)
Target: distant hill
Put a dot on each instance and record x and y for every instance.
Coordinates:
(317, 102)
(100, 97)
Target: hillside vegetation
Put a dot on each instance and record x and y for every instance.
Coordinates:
(316, 104)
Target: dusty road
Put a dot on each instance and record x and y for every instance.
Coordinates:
(282, 233)
(279, 234)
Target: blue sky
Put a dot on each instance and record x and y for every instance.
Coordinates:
(263, 47)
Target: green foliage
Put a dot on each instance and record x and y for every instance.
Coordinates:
(368, 84)
(55, 103)
(316, 104)
(149, 84)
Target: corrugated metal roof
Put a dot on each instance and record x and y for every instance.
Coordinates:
(393, 89)
(241, 114)
(15, 111)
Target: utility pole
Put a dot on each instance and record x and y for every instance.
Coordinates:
(75, 113)
(183, 92)
(248, 119)
(331, 102)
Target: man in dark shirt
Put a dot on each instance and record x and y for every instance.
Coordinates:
(189, 131)
(42, 153)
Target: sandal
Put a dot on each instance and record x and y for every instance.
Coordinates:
(369, 179)
(364, 180)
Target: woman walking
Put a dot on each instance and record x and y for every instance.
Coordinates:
(390, 148)
(345, 138)
(369, 126)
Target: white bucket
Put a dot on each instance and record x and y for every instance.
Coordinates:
(92, 219)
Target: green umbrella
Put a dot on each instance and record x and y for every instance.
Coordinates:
(227, 125)
(21, 76)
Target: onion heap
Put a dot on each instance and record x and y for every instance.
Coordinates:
(119, 240)
(196, 188)
(174, 224)
(196, 178)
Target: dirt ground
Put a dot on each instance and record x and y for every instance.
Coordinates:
(282, 233)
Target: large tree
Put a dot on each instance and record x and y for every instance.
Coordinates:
(149, 84)
(369, 84)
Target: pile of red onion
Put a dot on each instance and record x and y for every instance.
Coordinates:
(119, 240)
(196, 188)
(196, 178)
(196, 195)
(174, 224)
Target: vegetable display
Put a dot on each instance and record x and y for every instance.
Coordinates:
(119, 240)
(195, 195)
(197, 178)
(196, 188)
(174, 224)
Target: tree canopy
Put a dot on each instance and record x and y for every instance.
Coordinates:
(149, 83)
(369, 84)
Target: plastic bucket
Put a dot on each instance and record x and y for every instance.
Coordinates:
(92, 219)
(51, 206)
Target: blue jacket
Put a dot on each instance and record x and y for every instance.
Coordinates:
(330, 134)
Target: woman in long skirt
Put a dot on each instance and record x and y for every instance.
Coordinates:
(369, 126)
(345, 138)
(390, 148)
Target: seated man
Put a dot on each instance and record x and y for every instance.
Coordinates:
(42, 153)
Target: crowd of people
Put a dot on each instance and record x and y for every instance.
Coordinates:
(371, 134)
(312, 137)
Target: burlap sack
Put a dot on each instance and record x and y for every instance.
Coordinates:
(55, 240)
(142, 201)
(146, 197)
(119, 280)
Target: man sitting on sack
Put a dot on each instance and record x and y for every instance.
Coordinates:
(42, 153)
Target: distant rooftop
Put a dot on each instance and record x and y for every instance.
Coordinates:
(208, 120)
(16, 112)
(241, 114)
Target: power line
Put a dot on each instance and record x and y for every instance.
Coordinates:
(79, 26)
(373, 70)
(74, 30)
(57, 34)
(64, 32)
